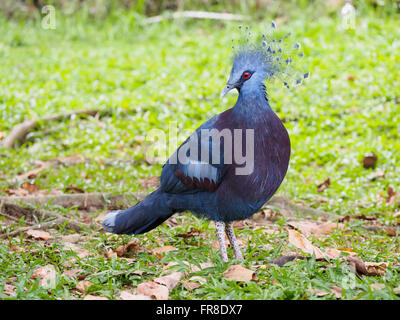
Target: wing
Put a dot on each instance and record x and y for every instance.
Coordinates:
(190, 169)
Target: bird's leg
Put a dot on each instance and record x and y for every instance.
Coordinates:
(220, 227)
(233, 241)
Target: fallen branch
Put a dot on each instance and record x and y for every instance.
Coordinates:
(289, 209)
(122, 201)
(20, 131)
(33, 215)
(196, 15)
(81, 200)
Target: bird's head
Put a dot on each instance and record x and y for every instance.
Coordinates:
(261, 59)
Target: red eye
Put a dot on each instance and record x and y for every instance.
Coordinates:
(246, 75)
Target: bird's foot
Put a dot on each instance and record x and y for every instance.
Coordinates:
(109, 221)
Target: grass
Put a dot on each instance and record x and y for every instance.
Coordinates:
(175, 72)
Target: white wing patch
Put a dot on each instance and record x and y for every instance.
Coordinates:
(201, 170)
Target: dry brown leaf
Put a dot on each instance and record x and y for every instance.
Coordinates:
(194, 283)
(125, 295)
(71, 272)
(72, 238)
(170, 280)
(73, 189)
(110, 253)
(131, 246)
(337, 291)
(193, 232)
(9, 289)
(83, 286)
(189, 285)
(370, 161)
(367, 268)
(153, 290)
(328, 227)
(91, 297)
(308, 227)
(320, 293)
(376, 268)
(391, 196)
(239, 273)
(47, 276)
(300, 242)
(32, 173)
(39, 234)
(82, 253)
(30, 187)
(323, 185)
(159, 251)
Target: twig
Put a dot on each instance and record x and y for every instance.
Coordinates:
(19, 132)
(121, 201)
(289, 209)
(197, 15)
(30, 214)
(81, 200)
(41, 226)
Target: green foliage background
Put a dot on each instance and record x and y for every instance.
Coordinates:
(173, 71)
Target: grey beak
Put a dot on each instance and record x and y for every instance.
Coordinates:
(228, 88)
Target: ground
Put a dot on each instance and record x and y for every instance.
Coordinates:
(174, 72)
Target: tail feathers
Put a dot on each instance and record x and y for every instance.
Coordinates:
(141, 218)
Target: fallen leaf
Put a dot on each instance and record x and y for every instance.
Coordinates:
(71, 272)
(170, 280)
(154, 290)
(337, 291)
(73, 189)
(9, 289)
(323, 185)
(72, 238)
(189, 285)
(376, 268)
(30, 187)
(91, 297)
(110, 253)
(300, 242)
(370, 161)
(131, 246)
(320, 293)
(194, 283)
(125, 295)
(193, 232)
(367, 268)
(47, 276)
(239, 273)
(39, 234)
(159, 251)
(391, 196)
(32, 173)
(83, 286)
(82, 253)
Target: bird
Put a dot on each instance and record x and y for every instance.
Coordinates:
(207, 174)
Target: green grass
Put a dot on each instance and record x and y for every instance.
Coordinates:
(175, 72)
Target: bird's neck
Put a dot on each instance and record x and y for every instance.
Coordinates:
(252, 104)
